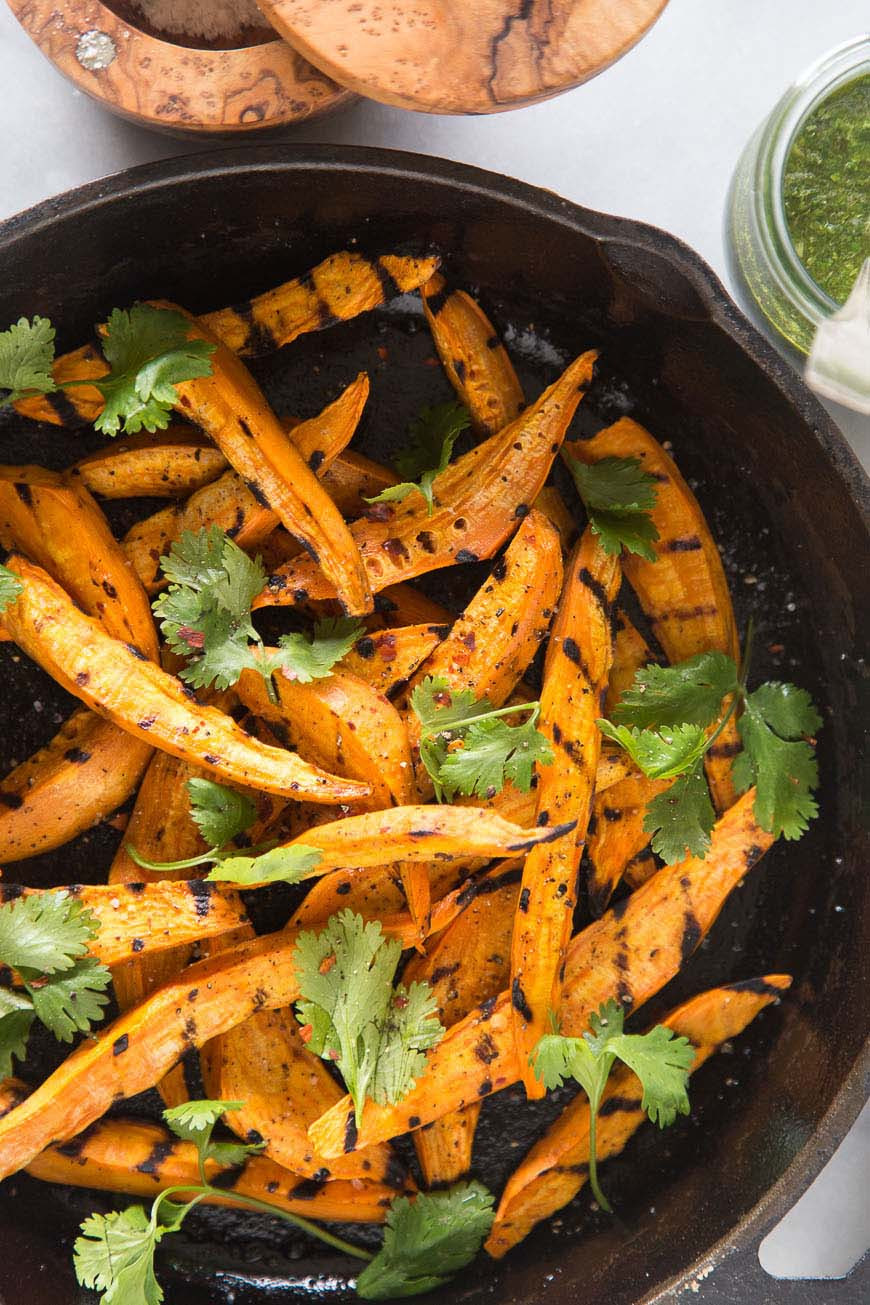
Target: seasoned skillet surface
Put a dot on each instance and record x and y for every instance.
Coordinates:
(789, 538)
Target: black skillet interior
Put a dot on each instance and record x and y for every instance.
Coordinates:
(783, 500)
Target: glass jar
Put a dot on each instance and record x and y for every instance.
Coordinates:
(763, 256)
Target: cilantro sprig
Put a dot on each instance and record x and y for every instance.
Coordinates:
(352, 1015)
(148, 353)
(432, 436)
(467, 747)
(44, 938)
(426, 1240)
(618, 496)
(664, 723)
(205, 616)
(222, 815)
(660, 1060)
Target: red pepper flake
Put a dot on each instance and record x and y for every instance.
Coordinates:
(387, 648)
(332, 1055)
(378, 512)
(400, 1002)
(383, 352)
(326, 964)
(776, 648)
(193, 638)
(306, 1031)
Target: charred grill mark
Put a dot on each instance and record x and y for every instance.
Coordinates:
(12, 801)
(519, 1002)
(557, 831)
(82, 678)
(396, 548)
(137, 945)
(682, 544)
(258, 337)
(571, 651)
(316, 459)
(466, 555)
(63, 407)
(499, 568)
(396, 1173)
(614, 1105)
(486, 1051)
(201, 892)
(390, 287)
(146, 722)
(414, 1121)
(460, 369)
(692, 934)
(493, 342)
(325, 316)
(24, 492)
(684, 613)
(189, 1031)
(426, 540)
(613, 814)
(307, 1189)
(443, 972)
(435, 302)
(350, 1132)
(753, 854)
(365, 647)
(120, 1045)
(237, 523)
(524, 900)
(156, 1158)
(618, 909)
(131, 648)
(258, 492)
(759, 986)
(77, 756)
(500, 881)
(228, 1178)
(727, 749)
(484, 1088)
(596, 588)
(109, 590)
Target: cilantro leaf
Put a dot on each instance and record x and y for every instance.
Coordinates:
(193, 1120)
(10, 588)
(492, 754)
(432, 437)
(69, 1002)
(205, 615)
(411, 1026)
(618, 496)
(427, 1240)
(661, 753)
(350, 1013)
(689, 693)
(220, 813)
(115, 1256)
(466, 747)
(26, 356)
(682, 818)
(305, 658)
(44, 933)
(286, 865)
(784, 770)
(149, 354)
(16, 1019)
(660, 1060)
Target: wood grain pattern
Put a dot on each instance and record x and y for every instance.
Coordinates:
(455, 56)
(182, 89)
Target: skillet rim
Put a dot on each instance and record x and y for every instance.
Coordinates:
(740, 1245)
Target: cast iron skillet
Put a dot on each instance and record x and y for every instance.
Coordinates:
(788, 504)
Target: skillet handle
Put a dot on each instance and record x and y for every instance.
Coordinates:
(738, 1279)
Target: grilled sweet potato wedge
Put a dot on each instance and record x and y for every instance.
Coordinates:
(554, 1170)
(386, 659)
(403, 604)
(468, 963)
(575, 679)
(479, 498)
(473, 356)
(684, 593)
(230, 503)
(232, 409)
(171, 465)
(628, 955)
(495, 639)
(315, 719)
(265, 1064)
(616, 834)
(138, 920)
(342, 286)
(86, 772)
(142, 699)
(129, 1155)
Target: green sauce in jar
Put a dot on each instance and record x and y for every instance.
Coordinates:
(826, 188)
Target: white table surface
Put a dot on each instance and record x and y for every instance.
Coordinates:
(655, 138)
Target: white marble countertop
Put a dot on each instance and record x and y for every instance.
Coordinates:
(655, 138)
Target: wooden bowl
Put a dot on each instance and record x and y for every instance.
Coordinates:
(179, 86)
(462, 56)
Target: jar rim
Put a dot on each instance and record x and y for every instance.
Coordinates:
(835, 69)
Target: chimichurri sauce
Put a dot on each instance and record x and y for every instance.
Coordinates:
(826, 188)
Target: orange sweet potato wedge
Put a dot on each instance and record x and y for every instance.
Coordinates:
(628, 955)
(617, 835)
(141, 1159)
(138, 920)
(342, 724)
(630, 652)
(114, 679)
(386, 659)
(342, 286)
(170, 465)
(478, 501)
(684, 593)
(467, 964)
(473, 356)
(230, 503)
(575, 679)
(554, 1170)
